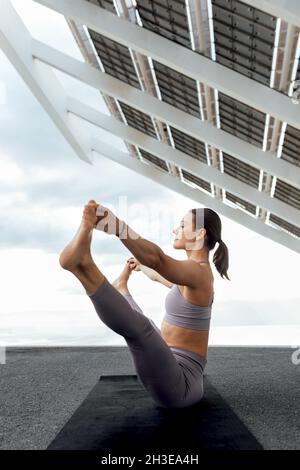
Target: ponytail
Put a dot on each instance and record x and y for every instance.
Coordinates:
(220, 259)
(210, 220)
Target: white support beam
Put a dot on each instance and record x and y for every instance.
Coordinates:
(179, 58)
(15, 41)
(288, 10)
(49, 92)
(201, 130)
(183, 160)
(174, 184)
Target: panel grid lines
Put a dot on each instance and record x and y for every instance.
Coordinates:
(287, 193)
(196, 180)
(154, 160)
(189, 145)
(138, 120)
(177, 89)
(244, 38)
(241, 170)
(166, 18)
(285, 225)
(291, 146)
(247, 206)
(245, 122)
(115, 58)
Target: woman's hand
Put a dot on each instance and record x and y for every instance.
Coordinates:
(134, 264)
(107, 221)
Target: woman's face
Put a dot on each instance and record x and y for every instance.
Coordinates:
(185, 235)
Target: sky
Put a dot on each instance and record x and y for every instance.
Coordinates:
(43, 188)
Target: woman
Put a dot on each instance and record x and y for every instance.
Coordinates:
(170, 362)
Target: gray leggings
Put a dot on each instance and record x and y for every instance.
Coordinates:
(172, 376)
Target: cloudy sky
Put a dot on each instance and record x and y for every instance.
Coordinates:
(43, 187)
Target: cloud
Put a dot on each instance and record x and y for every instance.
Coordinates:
(43, 187)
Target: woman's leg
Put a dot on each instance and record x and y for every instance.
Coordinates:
(132, 302)
(156, 366)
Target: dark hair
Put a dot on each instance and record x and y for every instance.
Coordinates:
(209, 219)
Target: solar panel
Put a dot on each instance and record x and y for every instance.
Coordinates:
(138, 120)
(291, 146)
(153, 160)
(244, 38)
(166, 18)
(115, 58)
(188, 144)
(241, 120)
(241, 170)
(238, 36)
(298, 72)
(196, 180)
(107, 4)
(177, 89)
(285, 225)
(287, 193)
(241, 203)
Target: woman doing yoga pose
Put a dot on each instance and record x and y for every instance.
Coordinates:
(169, 361)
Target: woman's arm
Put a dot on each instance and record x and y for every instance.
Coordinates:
(154, 276)
(145, 251)
(186, 273)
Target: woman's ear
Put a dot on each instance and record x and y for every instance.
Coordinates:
(200, 233)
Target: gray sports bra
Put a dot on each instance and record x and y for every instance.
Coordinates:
(182, 313)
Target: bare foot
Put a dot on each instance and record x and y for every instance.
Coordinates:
(78, 252)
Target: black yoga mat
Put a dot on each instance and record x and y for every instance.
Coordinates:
(119, 417)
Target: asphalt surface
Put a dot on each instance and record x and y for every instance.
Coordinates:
(42, 387)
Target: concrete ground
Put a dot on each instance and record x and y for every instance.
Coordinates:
(42, 387)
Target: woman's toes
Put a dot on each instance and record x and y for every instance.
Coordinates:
(92, 202)
(89, 215)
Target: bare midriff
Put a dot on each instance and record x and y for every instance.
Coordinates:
(186, 338)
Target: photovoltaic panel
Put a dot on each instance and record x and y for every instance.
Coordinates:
(241, 120)
(244, 38)
(154, 160)
(188, 144)
(285, 225)
(177, 89)
(287, 193)
(298, 72)
(107, 4)
(196, 180)
(138, 119)
(247, 206)
(167, 18)
(115, 58)
(242, 171)
(291, 145)
(244, 41)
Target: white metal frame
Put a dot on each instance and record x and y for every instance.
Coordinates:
(22, 50)
(201, 130)
(179, 58)
(185, 161)
(174, 184)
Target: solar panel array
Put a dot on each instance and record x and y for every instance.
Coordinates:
(244, 41)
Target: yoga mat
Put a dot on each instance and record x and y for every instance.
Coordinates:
(119, 417)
